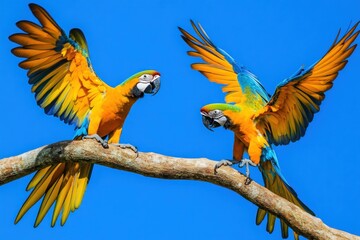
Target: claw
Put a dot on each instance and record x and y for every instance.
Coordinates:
(224, 163)
(95, 136)
(246, 163)
(242, 163)
(126, 145)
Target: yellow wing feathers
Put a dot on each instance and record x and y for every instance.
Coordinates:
(217, 67)
(66, 86)
(59, 68)
(240, 85)
(294, 103)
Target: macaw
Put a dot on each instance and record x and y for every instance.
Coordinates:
(259, 120)
(66, 86)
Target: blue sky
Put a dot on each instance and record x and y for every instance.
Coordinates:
(272, 39)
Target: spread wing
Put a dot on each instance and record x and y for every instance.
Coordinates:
(241, 86)
(296, 100)
(59, 68)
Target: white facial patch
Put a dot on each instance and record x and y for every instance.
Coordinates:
(215, 114)
(142, 86)
(221, 120)
(145, 78)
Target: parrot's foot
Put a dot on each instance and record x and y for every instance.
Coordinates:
(246, 163)
(103, 142)
(225, 163)
(123, 146)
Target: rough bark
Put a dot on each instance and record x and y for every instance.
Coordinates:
(160, 166)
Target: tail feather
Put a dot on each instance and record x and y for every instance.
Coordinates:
(284, 229)
(270, 222)
(276, 183)
(66, 206)
(65, 189)
(37, 193)
(37, 178)
(84, 176)
(260, 215)
(74, 190)
(63, 184)
(48, 200)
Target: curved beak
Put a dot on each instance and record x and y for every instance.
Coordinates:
(210, 122)
(207, 121)
(154, 85)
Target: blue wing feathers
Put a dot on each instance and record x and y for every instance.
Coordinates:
(82, 130)
(247, 78)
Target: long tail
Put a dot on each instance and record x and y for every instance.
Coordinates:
(63, 184)
(275, 182)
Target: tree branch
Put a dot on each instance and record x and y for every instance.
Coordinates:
(160, 166)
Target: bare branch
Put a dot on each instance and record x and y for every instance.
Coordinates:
(160, 166)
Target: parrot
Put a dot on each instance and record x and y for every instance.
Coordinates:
(66, 86)
(260, 120)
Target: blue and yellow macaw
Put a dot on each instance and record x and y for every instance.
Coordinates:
(259, 120)
(66, 86)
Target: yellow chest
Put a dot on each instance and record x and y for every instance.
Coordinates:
(112, 112)
(244, 128)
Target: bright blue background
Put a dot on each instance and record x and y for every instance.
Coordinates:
(271, 39)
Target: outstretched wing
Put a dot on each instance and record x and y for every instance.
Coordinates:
(241, 86)
(296, 100)
(59, 68)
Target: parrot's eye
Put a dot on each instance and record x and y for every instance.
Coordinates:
(216, 113)
(144, 77)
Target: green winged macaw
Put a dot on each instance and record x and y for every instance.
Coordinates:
(66, 86)
(259, 120)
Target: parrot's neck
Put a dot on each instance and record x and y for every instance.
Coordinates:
(126, 87)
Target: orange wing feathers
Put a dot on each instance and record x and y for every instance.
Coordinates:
(294, 103)
(240, 85)
(59, 69)
(66, 86)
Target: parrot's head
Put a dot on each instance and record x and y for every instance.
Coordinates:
(218, 114)
(146, 82)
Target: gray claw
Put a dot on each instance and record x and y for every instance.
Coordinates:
(103, 142)
(246, 163)
(135, 150)
(224, 163)
(126, 145)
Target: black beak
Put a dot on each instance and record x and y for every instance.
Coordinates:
(208, 122)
